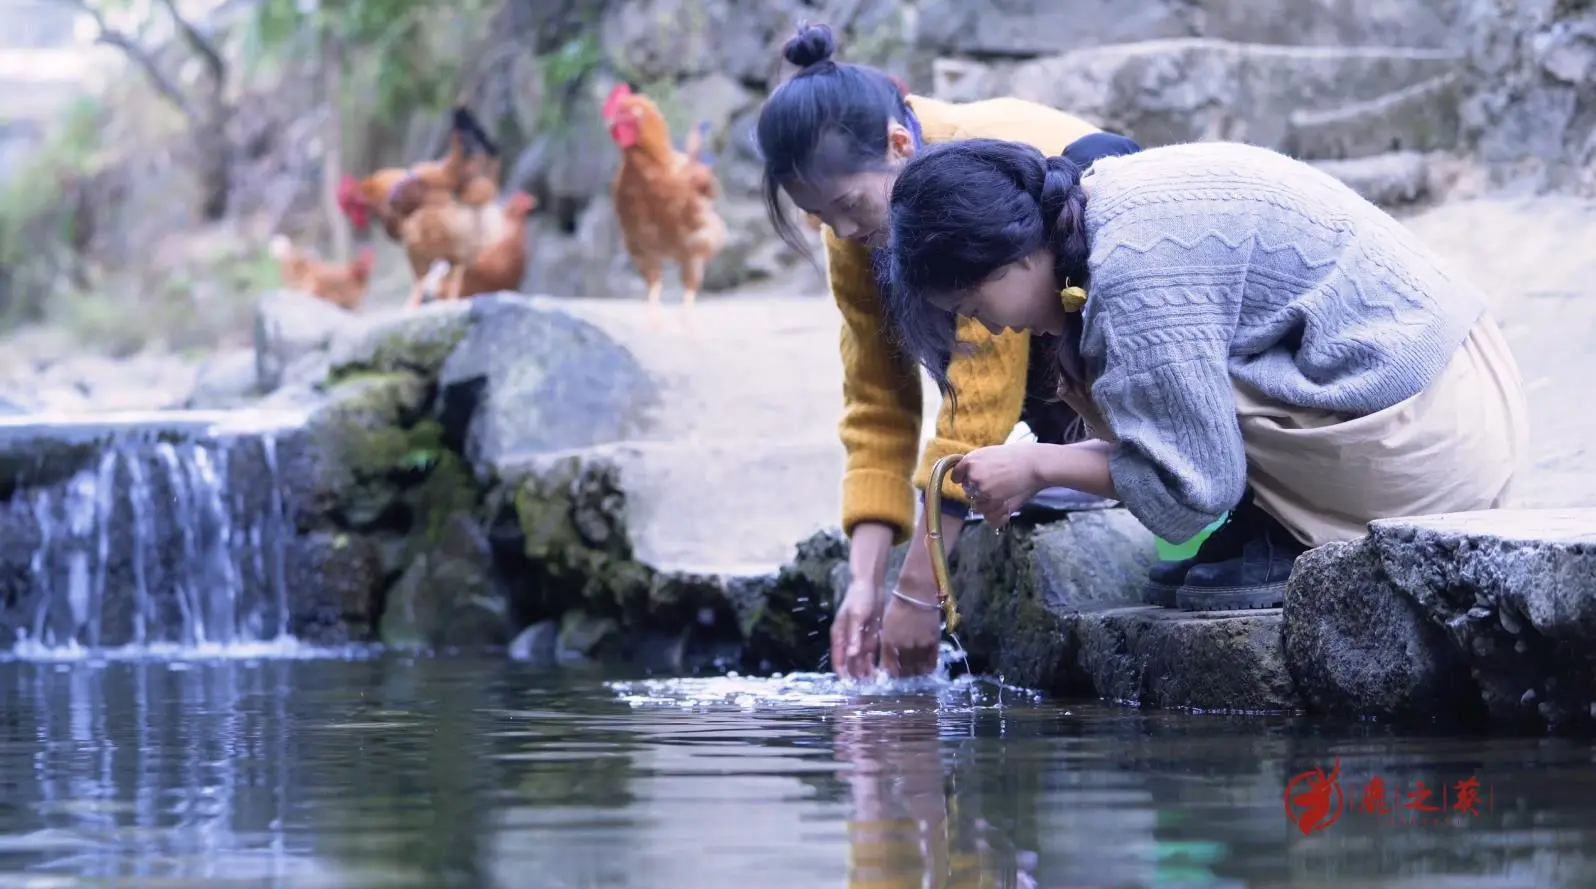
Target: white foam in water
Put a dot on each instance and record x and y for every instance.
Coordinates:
(734, 691)
(281, 648)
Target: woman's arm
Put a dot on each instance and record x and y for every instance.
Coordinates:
(1160, 320)
(1082, 466)
(880, 427)
(990, 384)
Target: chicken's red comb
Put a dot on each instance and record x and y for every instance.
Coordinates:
(621, 91)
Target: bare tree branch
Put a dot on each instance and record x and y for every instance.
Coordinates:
(199, 43)
(136, 54)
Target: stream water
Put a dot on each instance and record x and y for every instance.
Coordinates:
(387, 771)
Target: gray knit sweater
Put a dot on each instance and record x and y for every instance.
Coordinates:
(1212, 261)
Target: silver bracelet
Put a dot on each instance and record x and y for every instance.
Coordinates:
(929, 606)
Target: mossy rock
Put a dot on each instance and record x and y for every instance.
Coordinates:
(338, 467)
(414, 341)
(1016, 592)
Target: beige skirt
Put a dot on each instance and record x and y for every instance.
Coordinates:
(1455, 447)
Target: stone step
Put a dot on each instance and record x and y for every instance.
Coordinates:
(1165, 91)
(1035, 27)
(1157, 657)
(1057, 607)
(1422, 117)
(1389, 180)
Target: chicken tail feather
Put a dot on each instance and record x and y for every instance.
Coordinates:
(466, 122)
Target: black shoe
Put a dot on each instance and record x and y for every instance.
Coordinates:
(1255, 578)
(1165, 578)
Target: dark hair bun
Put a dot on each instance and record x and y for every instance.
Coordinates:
(812, 45)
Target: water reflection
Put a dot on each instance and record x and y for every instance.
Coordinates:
(396, 772)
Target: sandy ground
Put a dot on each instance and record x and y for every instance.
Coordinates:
(747, 460)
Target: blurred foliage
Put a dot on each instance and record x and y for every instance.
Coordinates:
(33, 212)
(408, 43)
(563, 71)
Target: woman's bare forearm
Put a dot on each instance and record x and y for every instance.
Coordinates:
(1082, 466)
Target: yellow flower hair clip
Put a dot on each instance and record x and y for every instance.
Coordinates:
(1073, 298)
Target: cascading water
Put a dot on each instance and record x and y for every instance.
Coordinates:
(158, 541)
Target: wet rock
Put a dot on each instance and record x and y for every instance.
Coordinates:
(1358, 646)
(289, 325)
(165, 531)
(450, 595)
(1165, 658)
(537, 644)
(1017, 592)
(583, 636)
(338, 467)
(1515, 591)
(1470, 614)
(567, 519)
(528, 378)
(334, 583)
(416, 341)
(1055, 606)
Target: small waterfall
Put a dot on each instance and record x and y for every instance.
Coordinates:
(157, 541)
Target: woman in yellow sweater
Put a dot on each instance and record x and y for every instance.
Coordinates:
(833, 138)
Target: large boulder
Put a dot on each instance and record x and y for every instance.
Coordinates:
(527, 378)
(1358, 647)
(1442, 615)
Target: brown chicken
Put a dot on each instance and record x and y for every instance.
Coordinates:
(343, 286)
(435, 225)
(502, 265)
(664, 198)
(473, 178)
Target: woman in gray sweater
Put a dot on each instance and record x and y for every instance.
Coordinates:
(1241, 332)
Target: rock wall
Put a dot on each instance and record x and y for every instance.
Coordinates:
(1394, 98)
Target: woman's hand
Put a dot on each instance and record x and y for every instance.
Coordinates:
(856, 628)
(911, 634)
(856, 632)
(1000, 479)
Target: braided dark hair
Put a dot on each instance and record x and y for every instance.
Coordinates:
(961, 211)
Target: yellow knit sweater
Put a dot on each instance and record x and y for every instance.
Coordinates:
(881, 386)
